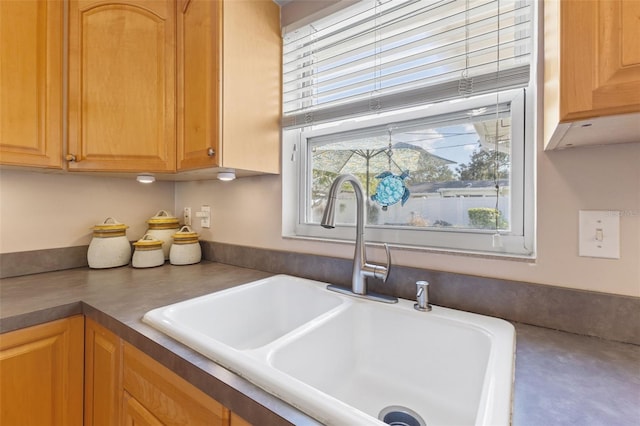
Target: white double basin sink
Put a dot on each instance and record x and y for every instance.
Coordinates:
(344, 360)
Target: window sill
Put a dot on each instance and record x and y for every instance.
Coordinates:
(430, 250)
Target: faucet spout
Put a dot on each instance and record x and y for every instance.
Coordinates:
(361, 268)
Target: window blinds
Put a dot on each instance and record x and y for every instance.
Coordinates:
(382, 55)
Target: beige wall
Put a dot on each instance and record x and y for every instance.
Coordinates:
(40, 210)
(248, 212)
(44, 210)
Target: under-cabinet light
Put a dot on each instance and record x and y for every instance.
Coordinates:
(227, 175)
(144, 178)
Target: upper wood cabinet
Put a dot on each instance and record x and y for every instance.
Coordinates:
(153, 85)
(592, 70)
(122, 85)
(199, 50)
(31, 49)
(41, 374)
(229, 85)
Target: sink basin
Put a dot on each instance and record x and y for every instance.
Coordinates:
(248, 316)
(344, 360)
(373, 356)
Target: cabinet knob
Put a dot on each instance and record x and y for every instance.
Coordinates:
(211, 152)
(70, 157)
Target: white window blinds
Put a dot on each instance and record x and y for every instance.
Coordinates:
(382, 55)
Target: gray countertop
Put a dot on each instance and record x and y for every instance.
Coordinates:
(561, 378)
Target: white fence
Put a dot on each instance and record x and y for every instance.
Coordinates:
(419, 211)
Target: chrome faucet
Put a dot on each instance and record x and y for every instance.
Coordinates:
(361, 268)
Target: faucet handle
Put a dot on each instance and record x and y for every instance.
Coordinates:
(376, 270)
(388, 265)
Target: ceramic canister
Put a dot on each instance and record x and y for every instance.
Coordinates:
(148, 252)
(162, 226)
(109, 246)
(185, 249)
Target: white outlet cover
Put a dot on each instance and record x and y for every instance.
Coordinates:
(205, 217)
(599, 234)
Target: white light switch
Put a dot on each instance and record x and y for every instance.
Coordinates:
(599, 233)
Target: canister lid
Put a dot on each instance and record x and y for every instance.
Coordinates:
(148, 243)
(163, 220)
(185, 236)
(110, 227)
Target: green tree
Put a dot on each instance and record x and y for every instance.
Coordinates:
(431, 169)
(482, 166)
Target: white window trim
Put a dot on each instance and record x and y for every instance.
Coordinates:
(467, 241)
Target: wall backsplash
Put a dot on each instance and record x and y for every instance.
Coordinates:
(601, 315)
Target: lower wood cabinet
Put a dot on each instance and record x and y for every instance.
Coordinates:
(103, 376)
(125, 386)
(135, 414)
(41, 374)
(166, 396)
(42, 379)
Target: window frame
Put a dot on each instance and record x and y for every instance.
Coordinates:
(518, 243)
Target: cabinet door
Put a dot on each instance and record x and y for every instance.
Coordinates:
(41, 374)
(199, 39)
(103, 376)
(236, 420)
(135, 414)
(251, 89)
(122, 85)
(166, 396)
(31, 83)
(599, 57)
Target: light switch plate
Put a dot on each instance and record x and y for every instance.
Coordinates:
(186, 215)
(599, 234)
(205, 217)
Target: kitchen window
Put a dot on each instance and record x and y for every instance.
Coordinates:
(436, 94)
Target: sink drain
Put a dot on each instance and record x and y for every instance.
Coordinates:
(396, 415)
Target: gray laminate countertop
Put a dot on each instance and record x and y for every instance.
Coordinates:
(561, 378)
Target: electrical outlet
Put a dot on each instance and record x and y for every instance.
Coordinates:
(186, 215)
(205, 216)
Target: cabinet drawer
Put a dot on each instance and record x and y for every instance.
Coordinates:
(168, 397)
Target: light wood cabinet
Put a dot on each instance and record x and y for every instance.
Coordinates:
(199, 31)
(164, 395)
(42, 377)
(229, 85)
(135, 414)
(41, 374)
(125, 386)
(153, 86)
(103, 376)
(236, 420)
(122, 85)
(592, 69)
(31, 49)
